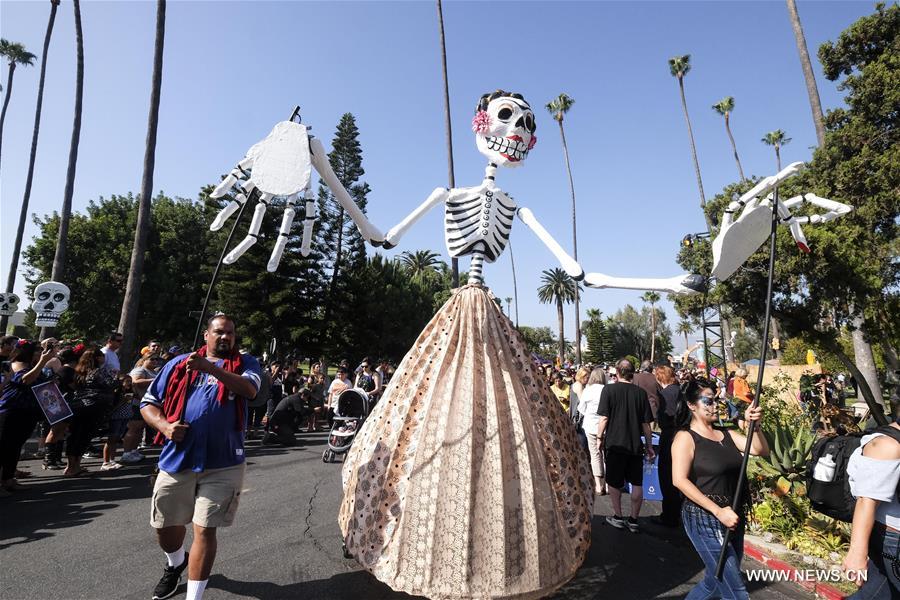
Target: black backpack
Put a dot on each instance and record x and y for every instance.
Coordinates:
(834, 498)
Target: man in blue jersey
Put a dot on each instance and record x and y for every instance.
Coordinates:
(197, 403)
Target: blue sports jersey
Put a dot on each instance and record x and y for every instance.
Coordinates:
(213, 440)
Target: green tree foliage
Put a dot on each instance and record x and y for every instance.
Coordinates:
(539, 340)
(599, 338)
(852, 269)
(746, 345)
(632, 333)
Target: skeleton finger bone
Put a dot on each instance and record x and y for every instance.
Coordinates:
(287, 220)
(232, 206)
(309, 220)
(253, 234)
(569, 265)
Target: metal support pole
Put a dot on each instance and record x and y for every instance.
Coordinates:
(254, 195)
(751, 430)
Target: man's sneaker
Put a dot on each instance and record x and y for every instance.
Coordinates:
(131, 457)
(632, 525)
(92, 452)
(168, 584)
(617, 522)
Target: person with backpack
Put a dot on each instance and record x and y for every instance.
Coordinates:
(706, 467)
(874, 473)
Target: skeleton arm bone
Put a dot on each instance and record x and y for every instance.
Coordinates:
(321, 164)
(680, 284)
(568, 263)
(438, 196)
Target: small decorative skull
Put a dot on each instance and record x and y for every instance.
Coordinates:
(504, 128)
(9, 304)
(51, 299)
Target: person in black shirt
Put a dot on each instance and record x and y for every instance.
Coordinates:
(706, 466)
(283, 422)
(625, 414)
(669, 395)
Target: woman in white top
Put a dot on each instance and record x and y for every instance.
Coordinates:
(874, 472)
(589, 402)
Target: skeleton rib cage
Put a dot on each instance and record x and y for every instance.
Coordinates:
(478, 220)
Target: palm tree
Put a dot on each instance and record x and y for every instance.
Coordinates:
(512, 262)
(420, 264)
(558, 287)
(679, 66)
(131, 303)
(684, 328)
(59, 259)
(15, 54)
(652, 298)
(811, 89)
(454, 262)
(724, 108)
(508, 305)
(17, 247)
(558, 107)
(777, 139)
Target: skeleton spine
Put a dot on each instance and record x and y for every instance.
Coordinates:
(475, 268)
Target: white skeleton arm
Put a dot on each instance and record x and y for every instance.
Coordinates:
(323, 167)
(392, 237)
(680, 284)
(569, 265)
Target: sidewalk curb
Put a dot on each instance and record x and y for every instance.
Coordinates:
(821, 590)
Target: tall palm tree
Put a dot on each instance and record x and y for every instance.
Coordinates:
(420, 264)
(512, 262)
(558, 288)
(558, 107)
(17, 247)
(684, 327)
(59, 259)
(724, 108)
(508, 305)
(777, 138)
(454, 262)
(15, 55)
(811, 89)
(679, 66)
(652, 298)
(131, 303)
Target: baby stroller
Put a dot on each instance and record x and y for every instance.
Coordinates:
(352, 410)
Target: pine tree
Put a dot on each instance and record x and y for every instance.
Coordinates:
(338, 240)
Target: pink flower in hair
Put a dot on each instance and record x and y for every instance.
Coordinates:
(533, 142)
(481, 122)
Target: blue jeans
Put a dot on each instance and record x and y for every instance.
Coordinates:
(883, 580)
(707, 534)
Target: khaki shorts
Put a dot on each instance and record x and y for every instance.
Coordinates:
(209, 499)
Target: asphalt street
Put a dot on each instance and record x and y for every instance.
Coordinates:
(91, 538)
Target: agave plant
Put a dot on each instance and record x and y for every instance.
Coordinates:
(790, 448)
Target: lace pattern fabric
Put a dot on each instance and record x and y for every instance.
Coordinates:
(468, 480)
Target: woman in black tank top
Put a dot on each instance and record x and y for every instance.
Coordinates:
(706, 465)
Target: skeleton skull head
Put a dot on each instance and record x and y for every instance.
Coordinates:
(51, 299)
(9, 304)
(504, 128)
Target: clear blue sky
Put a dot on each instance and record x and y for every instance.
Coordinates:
(234, 69)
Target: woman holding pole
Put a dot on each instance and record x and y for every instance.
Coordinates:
(706, 465)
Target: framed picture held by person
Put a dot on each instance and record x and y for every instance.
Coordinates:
(52, 402)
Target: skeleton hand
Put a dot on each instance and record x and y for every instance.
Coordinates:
(738, 239)
(279, 165)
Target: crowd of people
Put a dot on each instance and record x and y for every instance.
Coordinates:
(615, 409)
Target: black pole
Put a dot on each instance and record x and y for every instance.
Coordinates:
(751, 430)
(212, 282)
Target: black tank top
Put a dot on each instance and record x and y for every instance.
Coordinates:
(716, 468)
